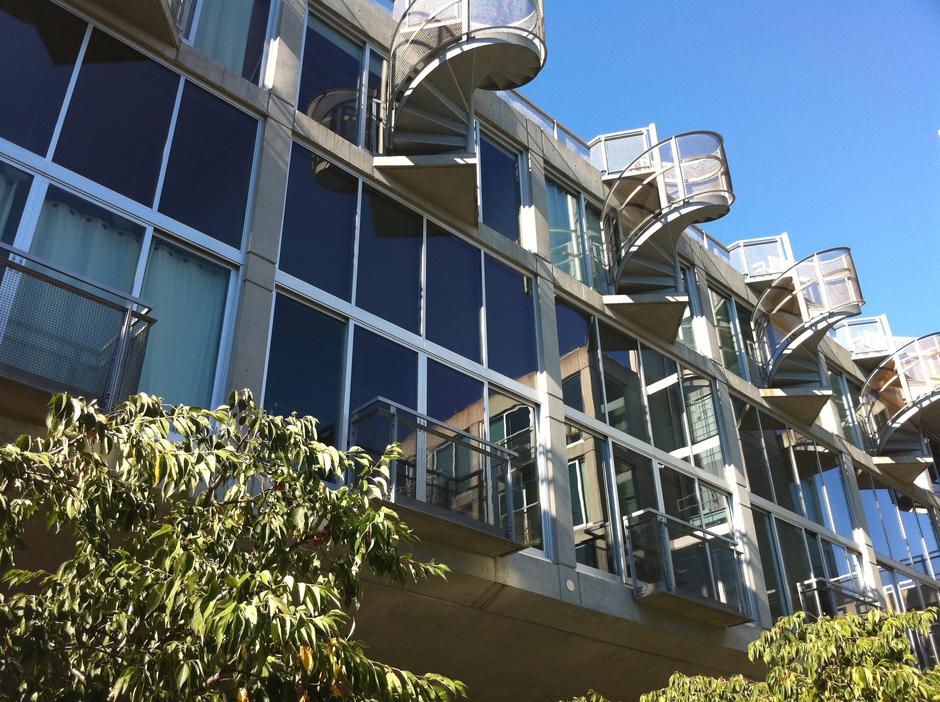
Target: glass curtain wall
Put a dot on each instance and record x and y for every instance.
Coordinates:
(500, 188)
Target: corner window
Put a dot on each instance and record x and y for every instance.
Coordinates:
(500, 188)
(40, 45)
(232, 32)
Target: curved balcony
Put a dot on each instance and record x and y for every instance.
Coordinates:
(444, 50)
(902, 395)
(681, 181)
(799, 309)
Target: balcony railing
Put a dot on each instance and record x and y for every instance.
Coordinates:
(445, 472)
(870, 336)
(764, 256)
(548, 124)
(904, 385)
(686, 169)
(671, 556)
(709, 242)
(821, 597)
(612, 153)
(805, 302)
(62, 332)
(427, 28)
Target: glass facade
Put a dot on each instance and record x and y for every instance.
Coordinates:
(122, 169)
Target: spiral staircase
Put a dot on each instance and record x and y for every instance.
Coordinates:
(678, 182)
(901, 399)
(791, 319)
(442, 52)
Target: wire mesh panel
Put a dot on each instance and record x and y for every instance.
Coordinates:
(59, 332)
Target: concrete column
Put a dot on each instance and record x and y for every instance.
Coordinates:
(557, 495)
(741, 501)
(534, 221)
(249, 346)
(290, 41)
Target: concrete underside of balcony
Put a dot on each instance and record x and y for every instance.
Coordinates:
(515, 628)
(801, 404)
(152, 16)
(659, 313)
(447, 182)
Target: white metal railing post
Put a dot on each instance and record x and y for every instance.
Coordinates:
(677, 165)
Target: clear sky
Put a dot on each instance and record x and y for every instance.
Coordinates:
(829, 109)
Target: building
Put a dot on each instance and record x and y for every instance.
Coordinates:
(635, 446)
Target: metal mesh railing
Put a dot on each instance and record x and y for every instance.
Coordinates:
(667, 554)
(760, 257)
(61, 332)
(909, 377)
(868, 336)
(429, 27)
(821, 287)
(686, 168)
(443, 470)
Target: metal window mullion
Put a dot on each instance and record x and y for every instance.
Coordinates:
(32, 210)
(69, 91)
(168, 146)
(363, 93)
(615, 519)
(270, 38)
(142, 260)
(421, 435)
(194, 26)
(226, 336)
(357, 226)
(784, 580)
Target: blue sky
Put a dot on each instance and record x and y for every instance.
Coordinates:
(829, 109)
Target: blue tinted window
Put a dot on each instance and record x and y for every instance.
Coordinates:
(454, 398)
(209, 170)
(38, 51)
(510, 322)
(499, 187)
(389, 282)
(577, 348)
(319, 223)
(382, 368)
(329, 80)
(118, 118)
(14, 186)
(305, 365)
(454, 295)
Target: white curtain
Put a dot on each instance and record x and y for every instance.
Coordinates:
(222, 32)
(188, 295)
(12, 183)
(55, 333)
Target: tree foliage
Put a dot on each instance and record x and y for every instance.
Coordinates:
(214, 558)
(842, 659)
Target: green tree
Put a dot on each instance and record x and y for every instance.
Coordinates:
(842, 659)
(212, 560)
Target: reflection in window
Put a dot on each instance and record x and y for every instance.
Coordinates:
(377, 66)
(305, 363)
(597, 252)
(183, 347)
(702, 418)
(633, 474)
(795, 559)
(686, 330)
(455, 398)
(769, 558)
(453, 293)
(664, 399)
(564, 230)
(624, 393)
(118, 118)
(14, 187)
(807, 471)
(382, 368)
(593, 540)
(510, 322)
(329, 80)
(37, 55)
(389, 280)
(233, 33)
(752, 448)
(319, 223)
(725, 329)
(209, 169)
(512, 425)
(500, 189)
(578, 350)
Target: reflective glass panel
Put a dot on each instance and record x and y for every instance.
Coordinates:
(500, 188)
(209, 170)
(724, 328)
(752, 448)
(319, 223)
(453, 293)
(389, 280)
(633, 474)
(454, 398)
(14, 187)
(37, 55)
(776, 444)
(588, 486)
(807, 470)
(329, 80)
(118, 118)
(382, 368)
(664, 400)
(305, 365)
(564, 230)
(769, 559)
(578, 350)
(233, 32)
(183, 347)
(834, 481)
(680, 498)
(703, 423)
(621, 364)
(510, 322)
(795, 560)
(597, 252)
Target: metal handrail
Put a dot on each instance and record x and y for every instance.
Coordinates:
(655, 168)
(804, 288)
(643, 514)
(433, 9)
(907, 377)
